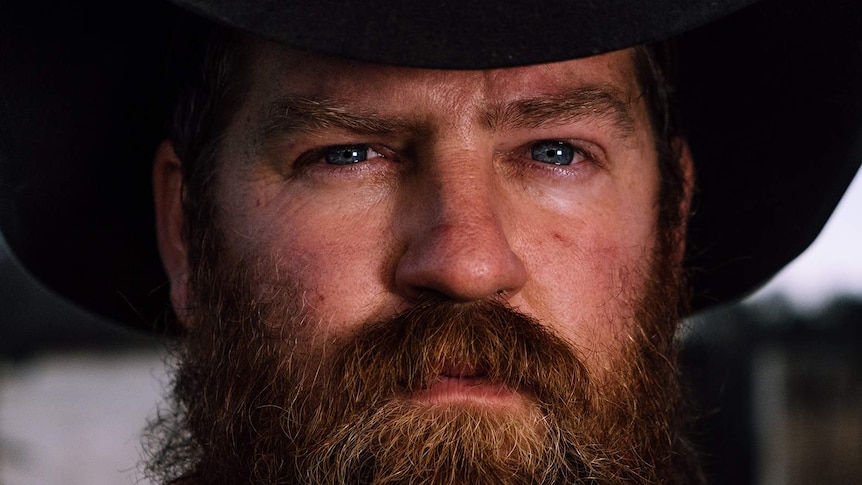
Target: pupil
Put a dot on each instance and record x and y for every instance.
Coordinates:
(346, 155)
(553, 152)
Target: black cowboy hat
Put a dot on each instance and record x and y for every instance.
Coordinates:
(770, 103)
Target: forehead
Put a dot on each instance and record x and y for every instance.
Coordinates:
(278, 70)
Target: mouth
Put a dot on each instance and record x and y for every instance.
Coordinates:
(463, 384)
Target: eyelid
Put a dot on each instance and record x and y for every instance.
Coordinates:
(368, 150)
(589, 151)
(312, 162)
(519, 161)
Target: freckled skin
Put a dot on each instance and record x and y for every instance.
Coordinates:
(461, 219)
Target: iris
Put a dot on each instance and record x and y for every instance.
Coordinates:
(346, 154)
(553, 152)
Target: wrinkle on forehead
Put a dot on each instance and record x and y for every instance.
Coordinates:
(280, 69)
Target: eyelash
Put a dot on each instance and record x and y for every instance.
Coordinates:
(591, 158)
(314, 159)
(578, 148)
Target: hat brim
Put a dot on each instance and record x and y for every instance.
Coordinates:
(769, 102)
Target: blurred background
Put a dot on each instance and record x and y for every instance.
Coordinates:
(776, 379)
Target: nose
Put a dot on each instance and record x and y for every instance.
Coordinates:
(457, 244)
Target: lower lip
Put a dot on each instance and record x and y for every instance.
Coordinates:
(454, 390)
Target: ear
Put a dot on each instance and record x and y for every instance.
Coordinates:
(686, 164)
(168, 195)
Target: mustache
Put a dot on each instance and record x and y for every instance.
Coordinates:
(398, 356)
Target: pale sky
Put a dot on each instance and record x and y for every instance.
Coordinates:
(833, 263)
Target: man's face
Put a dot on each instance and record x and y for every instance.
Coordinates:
(349, 194)
(450, 200)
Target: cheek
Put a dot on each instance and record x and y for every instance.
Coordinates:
(589, 271)
(332, 257)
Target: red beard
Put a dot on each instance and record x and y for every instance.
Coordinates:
(257, 402)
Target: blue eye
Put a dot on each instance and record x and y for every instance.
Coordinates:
(553, 152)
(346, 154)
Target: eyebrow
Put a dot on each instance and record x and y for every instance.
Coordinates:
(292, 114)
(607, 103)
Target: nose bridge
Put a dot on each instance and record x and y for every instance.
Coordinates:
(464, 190)
(458, 245)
